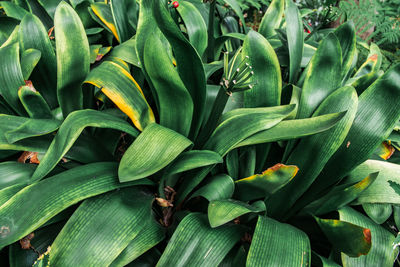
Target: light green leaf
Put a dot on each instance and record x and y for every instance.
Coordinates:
(272, 18)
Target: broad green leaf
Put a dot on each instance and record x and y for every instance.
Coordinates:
(175, 102)
(225, 210)
(127, 52)
(265, 184)
(121, 19)
(119, 215)
(152, 150)
(219, 187)
(15, 128)
(32, 34)
(8, 192)
(190, 67)
(195, 25)
(290, 129)
(247, 122)
(267, 73)
(13, 173)
(278, 244)
(346, 34)
(272, 18)
(69, 132)
(195, 243)
(118, 85)
(311, 161)
(29, 59)
(348, 238)
(378, 212)
(378, 111)
(380, 191)
(381, 253)
(365, 81)
(340, 196)
(294, 33)
(73, 58)
(103, 13)
(18, 217)
(12, 10)
(34, 104)
(322, 77)
(11, 77)
(151, 234)
(373, 62)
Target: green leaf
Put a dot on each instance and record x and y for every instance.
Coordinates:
(8, 192)
(151, 234)
(119, 215)
(73, 58)
(219, 187)
(378, 212)
(267, 74)
(195, 25)
(278, 244)
(290, 129)
(15, 128)
(311, 161)
(223, 211)
(190, 67)
(381, 253)
(43, 260)
(378, 111)
(294, 33)
(103, 15)
(265, 184)
(175, 102)
(340, 196)
(69, 132)
(346, 237)
(118, 84)
(127, 52)
(13, 173)
(272, 18)
(34, 104)
(235, 6)
(121, 19)
(322, 77)
(346, 34)
(152, 150)
(11, 77)
(32, 34)
(29, 59)
(18, 217)
(195, 243)
(320, 261)
(373, 62)
(12, 10)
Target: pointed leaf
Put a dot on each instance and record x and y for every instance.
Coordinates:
(272, 18)
(219, 187)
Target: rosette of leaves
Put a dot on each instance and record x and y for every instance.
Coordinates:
(128, 139)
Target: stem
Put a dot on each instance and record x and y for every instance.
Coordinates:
(210, 32)
(216, 111)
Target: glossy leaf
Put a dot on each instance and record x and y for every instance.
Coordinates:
(118, 214)
(270, 245)
(12, 10)
(373, 62)
(32, 34)
(223, 211)
(219, 187)
(290, 129)
(34, 104)
(294, 33)
(51, 196)
(69, 132)
(381, 253)
(195, 25)
(311, 161)
(73, 58)
(13, 173)
(272, 18)
(104, 14)
(175, 102)
(152, 150)
(195, 243)
(378, 212)
(127, 52)
(265, 184)
(121, 19)
(236, 7)
(267, 74)
(346, 34)
(118, 85)
(348, 238)
(29, 59)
